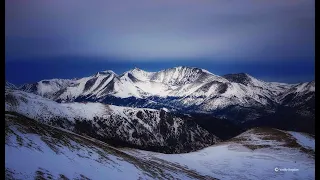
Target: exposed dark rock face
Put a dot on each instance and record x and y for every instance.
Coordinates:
(89, 84)
(241, 78)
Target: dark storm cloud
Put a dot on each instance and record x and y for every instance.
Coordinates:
(159, 29)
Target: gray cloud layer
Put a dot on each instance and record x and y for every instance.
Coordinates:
(149, 29)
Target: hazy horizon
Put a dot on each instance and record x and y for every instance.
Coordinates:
(270, 40)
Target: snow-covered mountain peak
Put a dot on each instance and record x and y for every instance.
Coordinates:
(105, 73)
(140, 74)
(180, 75)
(136, 69)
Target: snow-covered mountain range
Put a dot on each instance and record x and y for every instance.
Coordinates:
(181, 82)
(237, 97)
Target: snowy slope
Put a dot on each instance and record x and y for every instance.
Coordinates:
(37, 151)
(252, 155)
(143, 128)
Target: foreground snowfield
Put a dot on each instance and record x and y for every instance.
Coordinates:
(254, 154)
(34, 150)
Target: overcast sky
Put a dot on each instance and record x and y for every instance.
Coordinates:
(156, 30)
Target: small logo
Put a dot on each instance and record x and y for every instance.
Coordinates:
(276, 169)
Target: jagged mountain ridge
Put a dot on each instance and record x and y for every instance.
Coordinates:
(150, 129)
(181, 88)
